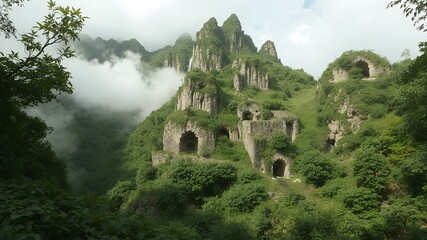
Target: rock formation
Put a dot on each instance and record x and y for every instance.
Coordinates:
(369, 70)
(255, 133)
(178, 56)
(188, 138)
(269, 49)
(236, 40)
(197, 94)
(208, 51)
(250, 73)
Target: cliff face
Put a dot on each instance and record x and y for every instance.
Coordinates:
(208, 51)
(198, 94)
(179, 55)
(214, 45)
(250, 73)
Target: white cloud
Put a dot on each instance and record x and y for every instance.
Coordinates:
(122, 84)
(323, 29)
(301, 35)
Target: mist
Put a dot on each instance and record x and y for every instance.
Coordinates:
(116, 95)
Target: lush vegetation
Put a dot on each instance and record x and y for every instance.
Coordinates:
(372, 185)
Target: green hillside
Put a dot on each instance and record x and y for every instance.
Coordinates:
(247, 148)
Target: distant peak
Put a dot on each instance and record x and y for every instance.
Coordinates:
(232, 23)
(268, 48)
(211, 23)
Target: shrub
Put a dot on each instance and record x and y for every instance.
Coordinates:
(266, 114)
(272, 104)
(371, 170)
(362, 201)
(244, 198)
(279, 141)
(201, 180)
(146, 172)
(315, 167)
(120, 192)
(248, 176)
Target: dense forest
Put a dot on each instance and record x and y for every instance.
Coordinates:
(340, 157)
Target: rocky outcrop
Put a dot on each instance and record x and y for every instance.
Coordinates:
(254, 134)
(339, 75)
(336, 132)
(178, 56)
(197, 94)
(250, 73)
(370, 71)
(250, 112)
(237, 41)
(336, 129)
(269, 49)
(208, 52)
(353, 115)
(188, 138)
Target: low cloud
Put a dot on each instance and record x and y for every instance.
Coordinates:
(123, 84)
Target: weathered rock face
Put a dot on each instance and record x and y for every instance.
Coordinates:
(353, 115)
(237, 41)
(369, 70)
(197, 94)
(269, 49)
(188, 138)
(250, 74)
(336, 128)
(336, 132)
(339, 75)
(208, 52)
(250, 112)
(251, 131)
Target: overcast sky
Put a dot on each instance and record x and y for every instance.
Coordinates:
(308, 34)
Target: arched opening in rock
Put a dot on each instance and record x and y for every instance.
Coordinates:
(188, 142)
(329, 144)
(247, 115)
(279, 168)
(364, 66)
(224, 132)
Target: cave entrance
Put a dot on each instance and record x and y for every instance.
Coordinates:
(329, 144)
(224, 132)
(279, 168)
(188, 142)
(247, 115)
(364, 66)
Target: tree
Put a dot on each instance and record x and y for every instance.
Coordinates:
(413, 90)
(315, 167)
(371, 170)
(417, 9)
(33, 77)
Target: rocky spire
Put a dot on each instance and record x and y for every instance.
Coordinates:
(208, 50)
(236, 40)
(268, 49)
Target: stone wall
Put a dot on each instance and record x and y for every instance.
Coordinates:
(287, 162)
(253, 131)
(173, 133)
